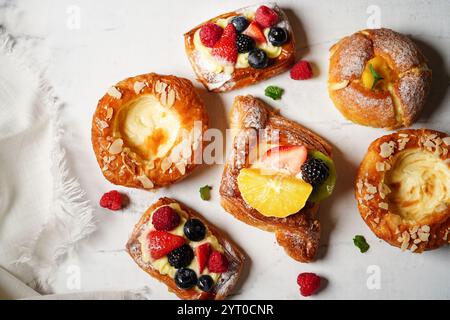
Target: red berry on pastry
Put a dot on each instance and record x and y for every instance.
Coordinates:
(266, 17)
(210, 33)
(309, 283)
(254, 31)
(165, 218)
(161, 243)
(301, 70)
(202, 252)
(288, 158)
(112, 200)
(217, 262)
(225, 48)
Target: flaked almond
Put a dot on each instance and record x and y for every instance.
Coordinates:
(101, 124)
(425, 228)
(446, 140)
(170, 98)
(413, 248)
(379, 166)
(181, 167)
(138, 86)
(116, 146)
(166, 163)
(146, 182)
(383, 205)
(109, 113)
(338, 85)
(114, 92)
(359, 186)
(163, 98)
(387, 148)
(370, 188)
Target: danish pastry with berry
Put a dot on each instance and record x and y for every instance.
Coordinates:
(147, 131)
(242, 47)
(378, 78)
(177, 246)
(276, 175)
(403, 189)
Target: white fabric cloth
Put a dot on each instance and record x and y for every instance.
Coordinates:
(43, 212)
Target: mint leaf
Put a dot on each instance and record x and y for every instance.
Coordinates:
(274, 92)
(205, 193)
(361, 243)
(375, 75)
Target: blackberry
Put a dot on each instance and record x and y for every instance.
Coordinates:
(181, 257)
(194, 230)
(185, 278)
(205, 283)
(244, 43)
(315, 171)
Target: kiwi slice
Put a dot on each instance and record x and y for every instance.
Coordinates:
(326, 188)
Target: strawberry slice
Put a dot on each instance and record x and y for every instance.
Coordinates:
(225, 49)
(254, 31)
(161, 243)
(289, 158)
(202, 252)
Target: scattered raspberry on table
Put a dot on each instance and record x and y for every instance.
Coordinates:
(301, 71)
(112, 200)
(309, 283)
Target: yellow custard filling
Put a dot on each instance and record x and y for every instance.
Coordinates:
(147, 126)
(162, 264)
(419, 183)
(382, 68)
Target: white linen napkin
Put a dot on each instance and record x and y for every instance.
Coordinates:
(43, 211)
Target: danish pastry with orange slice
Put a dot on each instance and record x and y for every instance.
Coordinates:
(147, 131)
(276, 175)
(378, 78)
(403, 189)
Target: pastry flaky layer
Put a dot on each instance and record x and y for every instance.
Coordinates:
(403, 189)
(227, 280)
(147, 131)
(298, 234)
(241, 77)
(405, 90)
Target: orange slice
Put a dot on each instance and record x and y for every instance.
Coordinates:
(273, 195)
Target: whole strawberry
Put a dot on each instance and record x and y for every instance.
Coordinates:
(309, 283)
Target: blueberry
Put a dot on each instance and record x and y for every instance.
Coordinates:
(181, 257)
(185, 278)
(258, 59)
(205, 283)
(244, 43)
(194, 230)
(277, 36)
(240, 23)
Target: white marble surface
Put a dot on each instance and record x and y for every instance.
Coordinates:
(117, 39)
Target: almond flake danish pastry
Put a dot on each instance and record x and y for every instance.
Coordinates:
(276, 175)
(147, 131)
(240, 48)
(378, 78)
(403, 189)
(178, 247)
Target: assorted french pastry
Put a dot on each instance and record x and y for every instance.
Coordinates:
(242, 47)
(403, 189)
(378, 78)
(276, 175)
(147, 130)
(178, 247)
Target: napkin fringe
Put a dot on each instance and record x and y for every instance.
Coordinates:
(71, 216)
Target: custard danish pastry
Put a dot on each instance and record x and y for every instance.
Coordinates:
(147, 131)
(403, 189)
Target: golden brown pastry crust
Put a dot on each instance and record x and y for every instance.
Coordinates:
(227, 280)
(389, 109)
(298, 234)
(373, 195)
(243, 77)
(125, 167)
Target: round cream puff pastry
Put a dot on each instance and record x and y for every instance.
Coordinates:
(378, 78)
(403, 189)
(147, 131)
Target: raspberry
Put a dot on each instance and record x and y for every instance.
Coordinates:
(217, 262)
(309, 283)
(210, 33)
(266, 17)
(165, 219)
(112, 200)
(301, 71)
